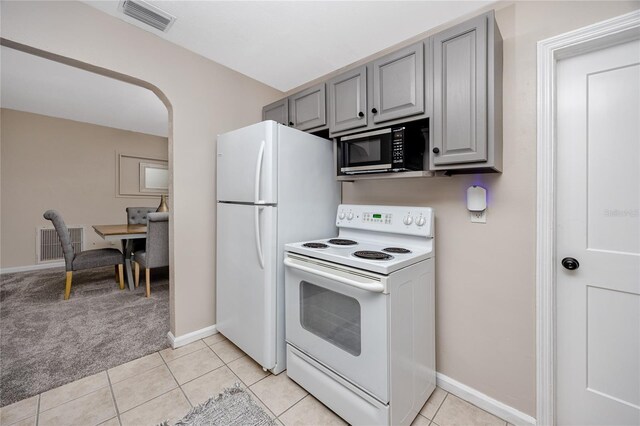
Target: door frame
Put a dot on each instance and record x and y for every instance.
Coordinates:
(593, 37)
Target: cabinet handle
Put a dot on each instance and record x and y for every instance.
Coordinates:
(361, 114)
(374, 111)
(291, 123)
(436, 150)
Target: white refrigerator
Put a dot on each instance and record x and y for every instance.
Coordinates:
(275, 185)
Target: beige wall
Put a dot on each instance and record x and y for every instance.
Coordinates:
(486, 273)
(66, 165)
(486, 294)
(205, 98)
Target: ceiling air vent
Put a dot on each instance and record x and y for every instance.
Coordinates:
(147, 14)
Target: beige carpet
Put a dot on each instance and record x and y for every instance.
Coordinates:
(46, 342)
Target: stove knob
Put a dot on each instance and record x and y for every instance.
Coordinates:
(341, 215)
(408, 220)
(350, 216)
(420, 221)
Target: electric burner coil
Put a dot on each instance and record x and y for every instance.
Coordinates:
(342, 242)
(372, 255)
(398, 250)
(315, 245)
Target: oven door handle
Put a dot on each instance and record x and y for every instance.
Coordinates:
(376, 287)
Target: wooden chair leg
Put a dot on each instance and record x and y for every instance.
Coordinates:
(121, 276)
(136, 267)
(147, 278)
(67, 290)
(116, 271)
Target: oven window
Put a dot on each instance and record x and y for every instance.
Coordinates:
(365, 151)
(331, 316)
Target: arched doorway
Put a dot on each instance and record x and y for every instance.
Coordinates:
(60, 346)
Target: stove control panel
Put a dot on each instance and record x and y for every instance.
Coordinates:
(393, 219)
(372, 217)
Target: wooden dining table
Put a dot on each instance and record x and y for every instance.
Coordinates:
(126, 234)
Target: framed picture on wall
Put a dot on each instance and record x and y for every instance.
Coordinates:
(140, 176)
(154, 178)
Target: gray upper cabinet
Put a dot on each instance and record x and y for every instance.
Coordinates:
(305, 110)
(398, 84)
(467, 96)
(277, 111)
(348, 100)
(308, 108)
(453, 79)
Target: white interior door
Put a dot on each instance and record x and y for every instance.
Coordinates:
(598, 225)
(246, 279)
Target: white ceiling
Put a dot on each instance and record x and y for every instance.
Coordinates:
(33, 84)
(285, 44)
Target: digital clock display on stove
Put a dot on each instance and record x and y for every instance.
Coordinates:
(384, 218)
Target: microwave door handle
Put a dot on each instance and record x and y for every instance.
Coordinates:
(346, 157)
(258, 175)
(257, 211)
(375, 287)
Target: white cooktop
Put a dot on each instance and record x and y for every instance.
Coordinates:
(376, 228)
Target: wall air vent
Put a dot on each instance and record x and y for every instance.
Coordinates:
(147, 14)
(48, 247)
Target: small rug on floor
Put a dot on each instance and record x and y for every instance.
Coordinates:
(233, 407)
(46, 342)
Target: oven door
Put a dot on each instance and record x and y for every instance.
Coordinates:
(367, 152)
(339, 318)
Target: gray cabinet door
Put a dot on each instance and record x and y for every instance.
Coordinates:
(308, 108)
(459, 127)
(348, 100)
(277, 111)
(398, 84)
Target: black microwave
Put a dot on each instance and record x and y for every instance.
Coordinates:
(392, 149)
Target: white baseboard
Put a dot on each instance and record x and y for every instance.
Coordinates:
(31, 267)
(483, 401)
(185, 339)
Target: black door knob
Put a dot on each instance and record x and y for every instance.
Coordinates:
(361, 114)
(291, 123)
(570, 263)
(373, 110)
(436, 150)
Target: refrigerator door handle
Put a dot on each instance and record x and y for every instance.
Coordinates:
(258, 209)
(259, 174)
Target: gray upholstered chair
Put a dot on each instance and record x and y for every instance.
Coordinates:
(138, 216)
(156, 253)
(87, 259)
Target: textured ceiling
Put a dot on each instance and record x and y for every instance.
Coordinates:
(285, 44)
(33, 84)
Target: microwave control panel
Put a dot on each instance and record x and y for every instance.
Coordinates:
(397, 146)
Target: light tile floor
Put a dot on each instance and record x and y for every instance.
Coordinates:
(167, 384)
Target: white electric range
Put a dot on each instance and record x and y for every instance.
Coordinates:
(360, 314)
